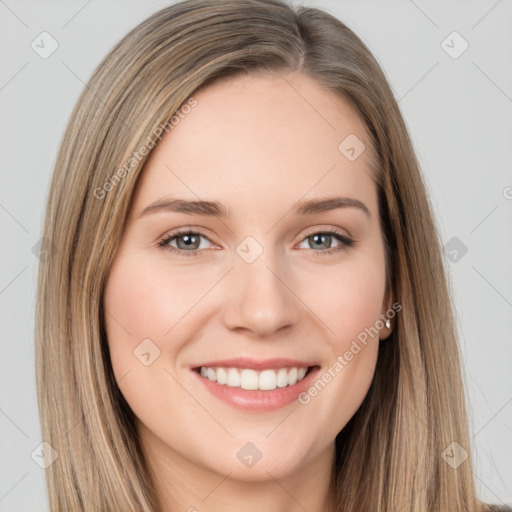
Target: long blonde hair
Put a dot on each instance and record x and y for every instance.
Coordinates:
(389, 456)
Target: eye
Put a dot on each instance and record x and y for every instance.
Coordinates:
(322, 239)
(188, 242)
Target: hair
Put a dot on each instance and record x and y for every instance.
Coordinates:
(389, 455)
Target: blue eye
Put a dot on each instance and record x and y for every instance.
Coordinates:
(191, 242)
(320, 237)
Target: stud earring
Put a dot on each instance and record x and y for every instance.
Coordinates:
(388, 323)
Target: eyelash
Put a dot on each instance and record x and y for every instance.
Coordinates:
(346, 242)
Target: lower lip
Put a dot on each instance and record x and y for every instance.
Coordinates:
(257, 400)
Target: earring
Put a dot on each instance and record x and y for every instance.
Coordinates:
(388, 323)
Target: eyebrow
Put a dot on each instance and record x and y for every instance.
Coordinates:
(217, 209)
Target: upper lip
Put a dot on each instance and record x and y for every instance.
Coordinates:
(256, 364)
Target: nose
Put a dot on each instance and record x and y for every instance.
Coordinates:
(261, 298)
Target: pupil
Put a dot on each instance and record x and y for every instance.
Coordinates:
(188, 239)
(317, 238)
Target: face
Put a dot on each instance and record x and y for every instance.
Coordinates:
(219, 336)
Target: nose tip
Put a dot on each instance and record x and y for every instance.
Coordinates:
(262, 301)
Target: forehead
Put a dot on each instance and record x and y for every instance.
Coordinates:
(264, 139)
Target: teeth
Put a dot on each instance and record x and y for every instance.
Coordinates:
(282, 378)
(248, 379)
(233, 378)
(222, 376)
(292, 376)
(267, 380)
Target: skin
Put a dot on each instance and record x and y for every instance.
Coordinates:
(258, 144)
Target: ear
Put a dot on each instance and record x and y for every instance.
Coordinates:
(387, 306)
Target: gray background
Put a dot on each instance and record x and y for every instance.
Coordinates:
(459, 112)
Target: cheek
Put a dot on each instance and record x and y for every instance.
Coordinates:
(136, 309)
(143, 300)
(350, 308)
(141, 304)
(148, 300)
(343, 382)
(347, 298)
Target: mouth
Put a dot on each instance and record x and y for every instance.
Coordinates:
(252, 380)
(256, 386)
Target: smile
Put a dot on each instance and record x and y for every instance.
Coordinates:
(249, 379)
(256, 386)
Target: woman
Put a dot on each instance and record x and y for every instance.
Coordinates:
(252, 366)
